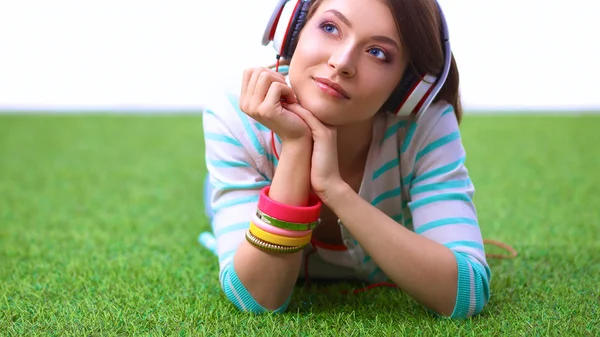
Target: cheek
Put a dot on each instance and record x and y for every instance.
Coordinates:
(387, 87)
(310, 48)
(379, 90)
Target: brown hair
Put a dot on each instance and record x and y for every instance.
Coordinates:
(419, 27)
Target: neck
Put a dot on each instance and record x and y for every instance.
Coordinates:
(353, 146)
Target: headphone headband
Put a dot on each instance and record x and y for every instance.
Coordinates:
(272, 24)
(447, 63)
(414, 94)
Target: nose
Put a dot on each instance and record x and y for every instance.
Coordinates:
(342, 62)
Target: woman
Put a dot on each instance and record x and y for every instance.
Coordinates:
(330, 144)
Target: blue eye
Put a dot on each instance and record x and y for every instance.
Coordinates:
(378, 53)
(329, 28)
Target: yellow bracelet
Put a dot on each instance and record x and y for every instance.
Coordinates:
(278, 239)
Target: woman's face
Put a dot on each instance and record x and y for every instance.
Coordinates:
(352, 45)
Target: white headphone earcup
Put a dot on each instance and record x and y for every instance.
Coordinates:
(281, 21)
(414, 99)
(273, 20)
(283, 30)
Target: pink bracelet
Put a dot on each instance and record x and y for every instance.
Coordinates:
(278, 231)
(288, 213)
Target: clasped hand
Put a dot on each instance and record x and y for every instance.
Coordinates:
(266, 97)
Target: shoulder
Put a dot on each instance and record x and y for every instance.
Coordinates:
(437, 121)
(439, 117)
(430, 143)
(223, 120)
(224, 106)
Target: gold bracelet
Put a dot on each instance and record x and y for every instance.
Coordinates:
(269, 247)
(269, 220)
(278, 239)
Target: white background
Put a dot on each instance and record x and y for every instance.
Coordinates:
(173, 54)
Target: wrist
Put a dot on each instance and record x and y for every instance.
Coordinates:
(297, 146)
(336, 194)
(291, 182)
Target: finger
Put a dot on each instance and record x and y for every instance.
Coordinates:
(252, 83)
(313, 122)
(252, 73)
(276, 91)
(265, 80)
(258, 71)
(280, 75)
(245, 80)
(244, 96)
(287, 96)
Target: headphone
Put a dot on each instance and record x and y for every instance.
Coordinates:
(415, 92)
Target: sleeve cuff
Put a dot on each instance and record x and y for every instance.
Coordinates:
(240, 297)
(473, 290)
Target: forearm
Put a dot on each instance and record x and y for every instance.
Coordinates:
(424, 269)
(270, 277)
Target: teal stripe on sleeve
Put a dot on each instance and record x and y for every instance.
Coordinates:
(235, 202)
(408, 223)
(210, 112)
(409, 136)
(406, 180)
(398, 218)
(261, 127)
(227, 164)
(443, 222)
(222, 138)
(231, 228)
(386, 195)
(386, 167)
(392, 130)
(437, 144)
(439, 197)
(440, 186)
(246, 123)
(470, 244)
(439, 171)
(239, 186)
(272, 159)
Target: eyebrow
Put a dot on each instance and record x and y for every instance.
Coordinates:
(340, 16)
(380, 38)
(385, 39)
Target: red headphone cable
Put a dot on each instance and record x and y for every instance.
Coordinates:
(277, 63)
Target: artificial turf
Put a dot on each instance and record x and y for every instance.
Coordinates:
(99, 218)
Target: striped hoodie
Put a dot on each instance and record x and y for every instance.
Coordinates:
(415, 173)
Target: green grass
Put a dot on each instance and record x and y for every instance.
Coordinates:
(99, 217)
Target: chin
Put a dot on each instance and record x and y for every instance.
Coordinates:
(326, 112)
(326, 109)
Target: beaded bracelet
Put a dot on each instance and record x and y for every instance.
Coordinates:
(268, 247)
(269, 220)
(277, 239)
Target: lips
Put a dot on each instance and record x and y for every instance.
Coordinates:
(332, 85)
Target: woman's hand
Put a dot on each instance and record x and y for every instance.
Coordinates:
(263, 91)
(325, 173)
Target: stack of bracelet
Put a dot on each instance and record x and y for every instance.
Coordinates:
(280, 228)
